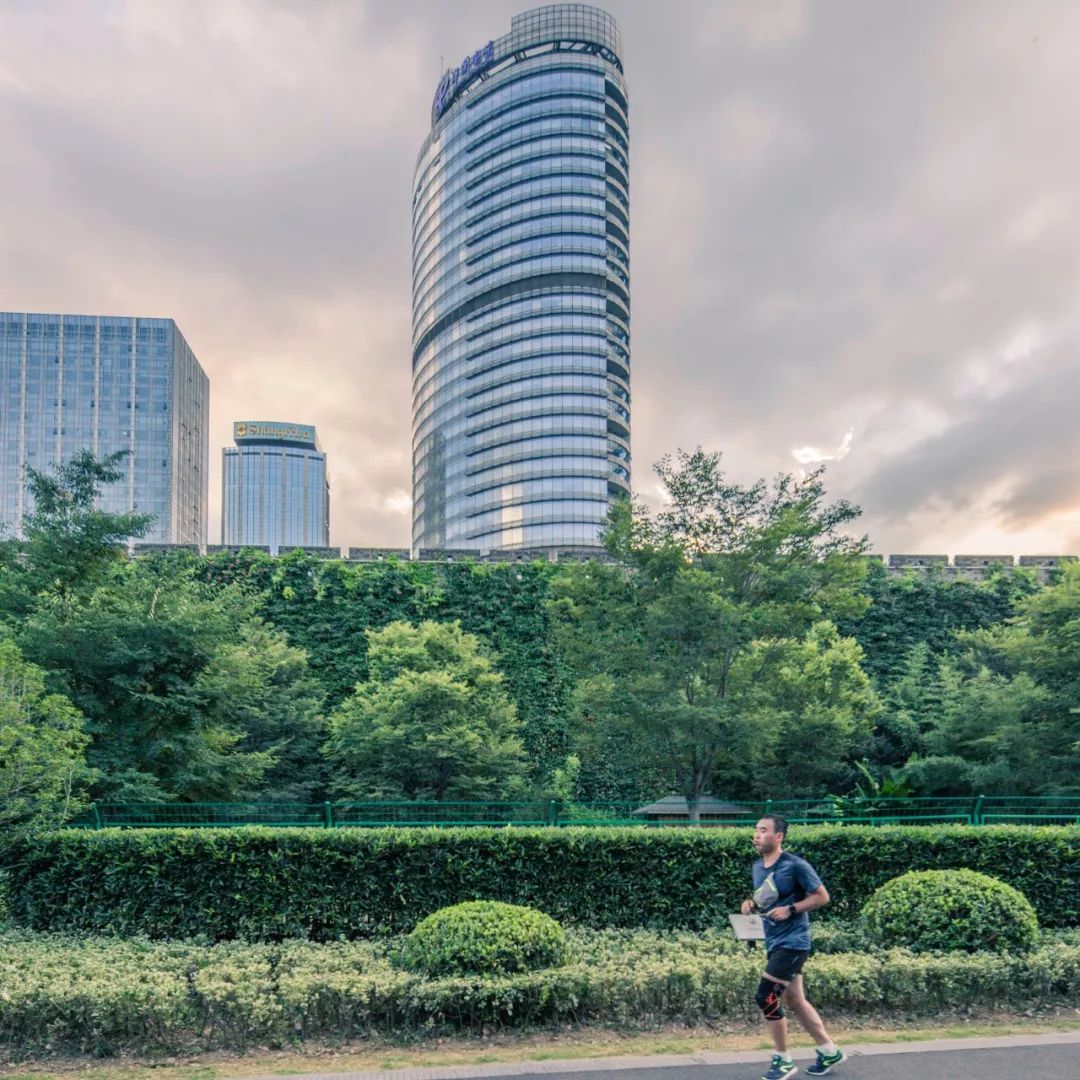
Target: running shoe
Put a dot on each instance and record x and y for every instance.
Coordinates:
(825, 1062)
(780, 1069)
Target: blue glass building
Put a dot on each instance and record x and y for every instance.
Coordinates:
(521, 290)
(275, 490)
(101, 383)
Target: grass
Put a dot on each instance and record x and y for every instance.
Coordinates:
(585, 1042)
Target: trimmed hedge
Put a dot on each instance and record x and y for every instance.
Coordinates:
(64, 995)
(483, 937)
(324, 884)
(951, 910)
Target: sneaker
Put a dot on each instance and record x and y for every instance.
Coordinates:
(780, 1069)
(825, 1062)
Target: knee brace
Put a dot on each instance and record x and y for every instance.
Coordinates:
(769, 993)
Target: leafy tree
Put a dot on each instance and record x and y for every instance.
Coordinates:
(42, 744)
(326, 607)
(711, 640)
(432, 722)
(68, 541)
(262, 686)
(144, 655)
(912, 701)
(815, 710)
(1010, 714)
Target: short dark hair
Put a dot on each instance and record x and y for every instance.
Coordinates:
(779, 824)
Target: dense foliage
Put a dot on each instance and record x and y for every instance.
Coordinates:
(924, 608)
(743, 647)
(327, 608)
(104, 996)
(709, 647)
(951, 910)
(483, 937)
(42, 747)
(432, 721)
(323, 884)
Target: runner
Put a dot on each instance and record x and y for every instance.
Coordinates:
(786, 888)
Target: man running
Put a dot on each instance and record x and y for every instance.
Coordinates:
(786, 888)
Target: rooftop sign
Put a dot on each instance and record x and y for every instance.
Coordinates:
(246, 430)
(470, 66)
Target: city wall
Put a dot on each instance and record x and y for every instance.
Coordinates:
(958, 567)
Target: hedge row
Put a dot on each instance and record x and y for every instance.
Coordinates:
(65, 995)
(269, 884)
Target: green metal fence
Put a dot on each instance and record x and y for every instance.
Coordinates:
(835, 810)
(1019, 810)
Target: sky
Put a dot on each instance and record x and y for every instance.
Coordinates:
(855, 233)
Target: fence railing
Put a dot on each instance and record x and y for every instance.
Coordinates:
(833, 810)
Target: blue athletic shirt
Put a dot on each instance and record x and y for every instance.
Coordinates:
(789, 880)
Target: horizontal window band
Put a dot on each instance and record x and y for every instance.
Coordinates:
(531, 284)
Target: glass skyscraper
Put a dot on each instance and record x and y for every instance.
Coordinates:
(275, 490)
(521, 290)
(101, 383)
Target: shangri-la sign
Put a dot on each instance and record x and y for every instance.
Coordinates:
(260, 429)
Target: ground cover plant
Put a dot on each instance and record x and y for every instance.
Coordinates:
(65, 994)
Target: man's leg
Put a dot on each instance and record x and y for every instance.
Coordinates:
(771, 992)
(795, 997)
(829, 1055)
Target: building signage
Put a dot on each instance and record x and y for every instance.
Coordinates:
(261, 429)
(470, 66)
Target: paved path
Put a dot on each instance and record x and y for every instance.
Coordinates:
(1003, 1058)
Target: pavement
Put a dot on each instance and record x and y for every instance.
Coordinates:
(1011, 1057)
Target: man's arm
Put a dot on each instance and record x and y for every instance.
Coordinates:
(811, 902)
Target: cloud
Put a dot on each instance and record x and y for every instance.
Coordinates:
(845, 216)
(811, 455)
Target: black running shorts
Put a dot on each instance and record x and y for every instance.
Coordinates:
(784, 964)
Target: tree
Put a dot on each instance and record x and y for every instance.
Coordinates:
(811, 716)
(326, 606)
(42, 762)
(68, 542)
(261, 686)
(1010, 715)
(912, 701)
(143, 655)
(711, 639)
(432, 722)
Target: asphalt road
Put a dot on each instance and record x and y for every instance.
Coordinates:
(994, 1058)
(1015, 1063)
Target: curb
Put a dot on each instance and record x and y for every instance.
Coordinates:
(675, 1061)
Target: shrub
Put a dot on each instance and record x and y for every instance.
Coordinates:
(323, 884)
(483, 937)
(105, 996)
(952, 911)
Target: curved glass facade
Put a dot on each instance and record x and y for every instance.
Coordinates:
(521, 290)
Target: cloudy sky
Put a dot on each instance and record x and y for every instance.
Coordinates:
(856, 232)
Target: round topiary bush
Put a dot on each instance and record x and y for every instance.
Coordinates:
(483, 937)
(951, 911)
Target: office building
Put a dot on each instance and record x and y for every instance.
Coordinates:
(521, 290)
(275, 490)
(100, 383)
